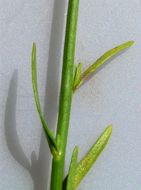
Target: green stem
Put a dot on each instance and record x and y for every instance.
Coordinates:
(65, 94)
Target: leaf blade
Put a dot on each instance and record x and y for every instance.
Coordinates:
(72, 170)
(77, 76)
(48, 132)
(90, 158)
(102, 60)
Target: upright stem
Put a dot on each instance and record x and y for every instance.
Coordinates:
(65, 94)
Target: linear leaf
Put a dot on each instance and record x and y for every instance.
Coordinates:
(77, 76)
(72, 170)
(48, 132)
(102, 60)
(90, 158)
(74, 71)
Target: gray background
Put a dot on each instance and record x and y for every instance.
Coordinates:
(113, 95)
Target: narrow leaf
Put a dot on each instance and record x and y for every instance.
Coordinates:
(102, 60)
(90, 158)
(48, 132)
(74, 71)
(72, 170)
(77, 76)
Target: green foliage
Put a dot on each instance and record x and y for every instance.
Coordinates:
(48, 132)
(100, 62)
(72, 79)
(90, 158)
(72, 170)
(78, 171)
(77, 76)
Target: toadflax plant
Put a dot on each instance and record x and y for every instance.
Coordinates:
(73, 77)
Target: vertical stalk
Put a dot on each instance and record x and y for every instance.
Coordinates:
(65, 94)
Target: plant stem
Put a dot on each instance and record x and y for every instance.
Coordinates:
(65, 94)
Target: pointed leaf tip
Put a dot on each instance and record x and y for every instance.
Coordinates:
(34, 44)
(72, 170)
(124, 46)
(48, 132)
(90, 158)
(101, 61)
(33, 49)
(109, 129)
(77, 76)
(131, 42)
(75, 151)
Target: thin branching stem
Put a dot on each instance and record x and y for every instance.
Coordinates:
(65, 94)
(72, 79)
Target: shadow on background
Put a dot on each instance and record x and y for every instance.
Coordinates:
(39, 167)
(12, 139)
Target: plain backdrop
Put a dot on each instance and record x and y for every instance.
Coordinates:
(113, 95)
